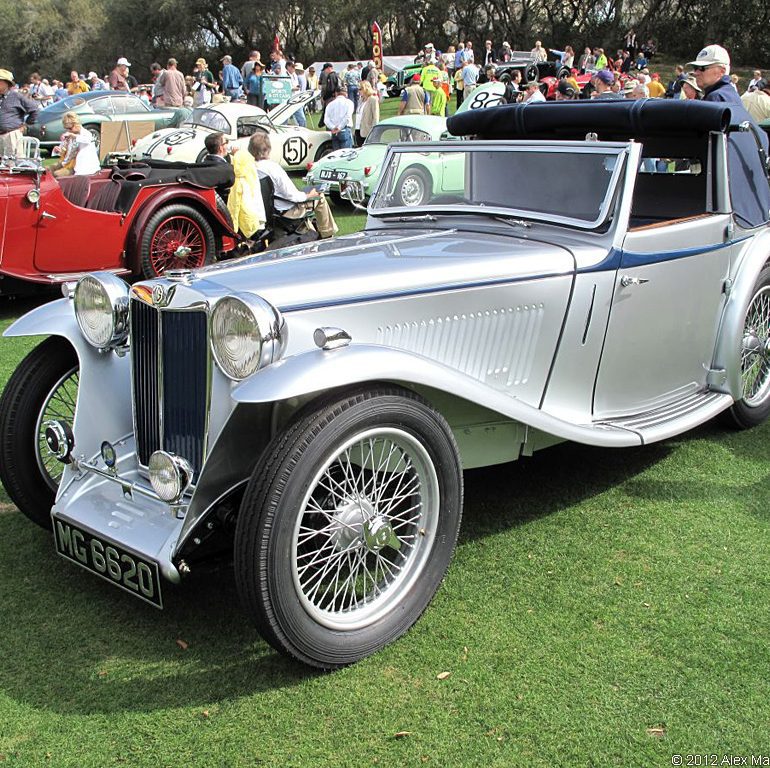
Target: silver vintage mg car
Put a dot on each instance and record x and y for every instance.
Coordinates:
(594, 272)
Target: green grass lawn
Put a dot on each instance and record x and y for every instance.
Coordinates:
(604, 608)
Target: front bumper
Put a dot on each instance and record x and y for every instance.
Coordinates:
(135, 521)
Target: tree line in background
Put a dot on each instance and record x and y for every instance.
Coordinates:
(56, 36)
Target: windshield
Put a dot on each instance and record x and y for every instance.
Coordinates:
(572, 183)
(210, 119)
(389, 134)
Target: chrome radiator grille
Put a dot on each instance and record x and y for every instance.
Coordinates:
(169, 358)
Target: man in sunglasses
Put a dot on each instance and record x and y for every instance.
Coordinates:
(711, 69)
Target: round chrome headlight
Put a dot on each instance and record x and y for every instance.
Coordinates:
(247, 333)
(33, 196)
(170, 475)
(101, 309)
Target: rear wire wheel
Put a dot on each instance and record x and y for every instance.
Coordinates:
(176, 237)
(754, 406)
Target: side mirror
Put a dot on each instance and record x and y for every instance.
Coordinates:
(353, 192)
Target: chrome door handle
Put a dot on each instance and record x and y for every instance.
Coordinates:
(627, 280)
(46, 215)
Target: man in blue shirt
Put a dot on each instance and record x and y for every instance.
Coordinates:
(749, 191)
(232, 80)
(14, 110)
(712, 73)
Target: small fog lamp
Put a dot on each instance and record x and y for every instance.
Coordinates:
(109, 456)
(33, 196)
(170, 475)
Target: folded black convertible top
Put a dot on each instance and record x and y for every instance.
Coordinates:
(611, 119)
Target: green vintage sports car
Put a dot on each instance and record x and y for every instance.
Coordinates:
(365, 163)
(97, 107)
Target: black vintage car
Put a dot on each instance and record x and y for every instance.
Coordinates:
(530, 68)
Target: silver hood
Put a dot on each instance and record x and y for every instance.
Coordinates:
(385, 263)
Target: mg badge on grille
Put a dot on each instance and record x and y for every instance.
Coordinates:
(158, 295)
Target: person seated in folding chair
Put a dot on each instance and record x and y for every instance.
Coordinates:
(290, 202)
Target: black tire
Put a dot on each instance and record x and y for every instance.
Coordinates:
(201, 156)
(530, 73)
(754, 408)
(224, 210)
(323, 150)
(413, 187)
(43, 386)
(563, 72)
(283, 522)
(169, 229)
(96, 135)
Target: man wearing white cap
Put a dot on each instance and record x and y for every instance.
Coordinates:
(711, 69)
(96, 83)
(14, 110)
(119, 76)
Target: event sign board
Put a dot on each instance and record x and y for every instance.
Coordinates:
(276, 88)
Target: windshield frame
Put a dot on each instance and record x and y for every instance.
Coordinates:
(620, 149)
(191, 122)
(386, 126)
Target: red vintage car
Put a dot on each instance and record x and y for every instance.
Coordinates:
(548, 85)
(134, 220)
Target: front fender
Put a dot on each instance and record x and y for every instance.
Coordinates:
(727, 354)
(56, 318)
(318, 371)
(104, 383)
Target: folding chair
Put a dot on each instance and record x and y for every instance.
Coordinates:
(29, 147)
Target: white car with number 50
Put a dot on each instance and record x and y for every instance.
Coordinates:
(292, 146)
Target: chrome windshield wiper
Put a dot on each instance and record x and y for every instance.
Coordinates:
(410, 217)
(511, 221)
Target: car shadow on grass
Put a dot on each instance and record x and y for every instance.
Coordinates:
(500, 497)
(12, 307)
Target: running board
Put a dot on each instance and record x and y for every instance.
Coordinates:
(673, 418)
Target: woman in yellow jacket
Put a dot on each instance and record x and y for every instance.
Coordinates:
(245, 200)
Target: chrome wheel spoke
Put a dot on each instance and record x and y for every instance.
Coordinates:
(59, 405)
(356, 544)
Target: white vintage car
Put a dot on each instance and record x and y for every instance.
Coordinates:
(293, 146)
(586, 271)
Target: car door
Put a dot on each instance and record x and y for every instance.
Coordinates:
(72, 238)
(666, 307)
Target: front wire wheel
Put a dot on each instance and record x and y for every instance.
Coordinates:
(754, 407)
(345, 534)
(43, 387)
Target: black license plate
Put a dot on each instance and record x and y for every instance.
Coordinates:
(112, 562)
(333, 175)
